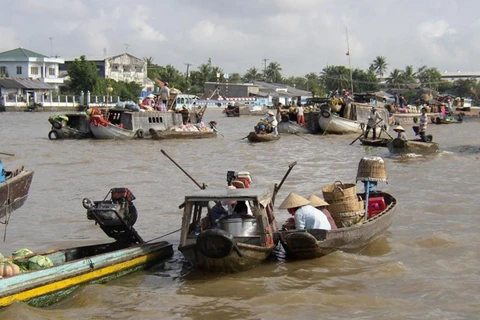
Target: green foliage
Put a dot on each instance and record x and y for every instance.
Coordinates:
(364, 81)
(429, 77)
(335, 77)
(379, 66)
(252, 74)
(83, 75)
(273, 73)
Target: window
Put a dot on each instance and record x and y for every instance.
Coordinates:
(34, 70)
(51, 71)
(19, 70)
(3, 71)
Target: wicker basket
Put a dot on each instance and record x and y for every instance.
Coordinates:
(347, 219)
(350, 205)
(339, 191)
(371, 169)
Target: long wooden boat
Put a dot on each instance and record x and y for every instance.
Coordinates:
(291, 127)
(76, 266)
(14, 187)
(379, 142)
(402, 147)
(70, 126)
(232, 242)
(124, 124)
(446, 120)
(163, 135)
(69, 268)
(314, 243)
(254, 137)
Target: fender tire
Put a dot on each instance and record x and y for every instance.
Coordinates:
(140, 133)
(325, 114)
(53, 135)
(57, 125)
(223, 243)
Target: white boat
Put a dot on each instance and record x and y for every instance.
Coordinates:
(291, 127)
(123, 124)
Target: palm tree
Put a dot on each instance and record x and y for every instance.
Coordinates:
(395, 78)
(408, 76)
(379, 65)
(273, 73)
(251, 75)
(335, 77)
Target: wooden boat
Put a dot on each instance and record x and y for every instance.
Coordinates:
(87, 264)
(446, 120)
(163, 135)
(232, 111)
(233, 242)
(14, 187)
(123, 124)
(314, 243)
(402, 147)
(379, 142)
(254, 137)
(70, 126)
(291, 127)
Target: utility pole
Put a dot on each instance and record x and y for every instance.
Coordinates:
(349, 63)
(265, 69)
(186, 76)
(51, 47)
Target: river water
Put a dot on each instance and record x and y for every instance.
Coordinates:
(425, 267)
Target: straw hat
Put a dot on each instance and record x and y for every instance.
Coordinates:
(398, 128)
(293, 200)
(317, 201)
(151, 96)
(271, 113)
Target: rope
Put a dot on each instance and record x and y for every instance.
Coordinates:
(9, 212)
(163, 235)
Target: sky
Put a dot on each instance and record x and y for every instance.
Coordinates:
(303, 36)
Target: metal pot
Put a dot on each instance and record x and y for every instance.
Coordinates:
(239, 226)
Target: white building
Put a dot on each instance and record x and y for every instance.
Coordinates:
(23, 63)
(123, 67)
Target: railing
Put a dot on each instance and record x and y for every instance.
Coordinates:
(64, 101)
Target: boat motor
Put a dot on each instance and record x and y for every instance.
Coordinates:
(116, 216)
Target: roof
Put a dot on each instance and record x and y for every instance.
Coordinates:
(21, 53)
(227, 194)
(272, 89)
(24, 83)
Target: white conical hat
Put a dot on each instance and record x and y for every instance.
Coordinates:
(398, 128)
(293, 200)
(317, 201)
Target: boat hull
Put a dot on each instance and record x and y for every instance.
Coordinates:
(253, 137)
(14, 191)
(308, 244)
(402, 147)
(76, 127)
(382, 142)
(44, 287)
(164, 135)
(291, 127)
(336, 125)
(111, 131)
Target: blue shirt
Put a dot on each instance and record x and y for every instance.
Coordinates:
(308, 217)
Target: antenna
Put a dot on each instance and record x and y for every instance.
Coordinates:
(51, 47)
(349, 62)
(126, 47)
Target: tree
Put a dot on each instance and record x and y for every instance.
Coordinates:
(273, 72)
(379, 66)
(83, 75)
(235, 78)
(335, 77)
(429, 77)
(394, 79)
(364, 81)
(252, 74)
(408, 76)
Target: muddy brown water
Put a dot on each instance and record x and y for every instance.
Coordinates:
(425, 267)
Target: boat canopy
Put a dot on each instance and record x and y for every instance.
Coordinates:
(250, 194)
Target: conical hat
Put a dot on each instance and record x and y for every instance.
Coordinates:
(293, 201)
(398, 128)
(317, 201)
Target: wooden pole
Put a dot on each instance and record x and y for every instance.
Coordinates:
(202, 186)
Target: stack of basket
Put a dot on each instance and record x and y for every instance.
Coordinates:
(372, 169)
(345, 206)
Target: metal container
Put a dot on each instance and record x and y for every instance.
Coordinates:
(239, 226)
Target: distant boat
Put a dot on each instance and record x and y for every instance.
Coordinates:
(70, 126)
(255, 137)
(402, 147)
(14, 187)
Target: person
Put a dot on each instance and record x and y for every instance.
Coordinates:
(422, 125)
(321, 205)
(185, 114)
(300, 115)
(400, 132)
(372, 122)
(270, 118)
(402, 101)
(304, 215)
(395, 97)
(165, 94)
(279, 111)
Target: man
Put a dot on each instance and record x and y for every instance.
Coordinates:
(300, 115)
(422, 125)
(165, 94)
(372, 122)
(395, 97)
(304, 215)
(270, 118)
(400, 133)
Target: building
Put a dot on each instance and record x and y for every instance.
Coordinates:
(23, 63)
(453, 76)
(123, 67)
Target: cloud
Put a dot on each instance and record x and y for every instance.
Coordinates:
(436, 29)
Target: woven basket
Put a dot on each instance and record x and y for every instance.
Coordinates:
(371, 169)
(347, 219)
(339, 191)
(352, 205)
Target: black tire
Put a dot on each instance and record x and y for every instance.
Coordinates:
(140, 133)
(53, 135)
(57, 125)
(215, 243)
(325, 114)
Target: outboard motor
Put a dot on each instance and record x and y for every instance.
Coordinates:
(116, 216)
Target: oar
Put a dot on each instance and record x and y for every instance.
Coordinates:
(7, 154)
(202, 186)
(374, 128)
(277, 187)
(298, 135)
